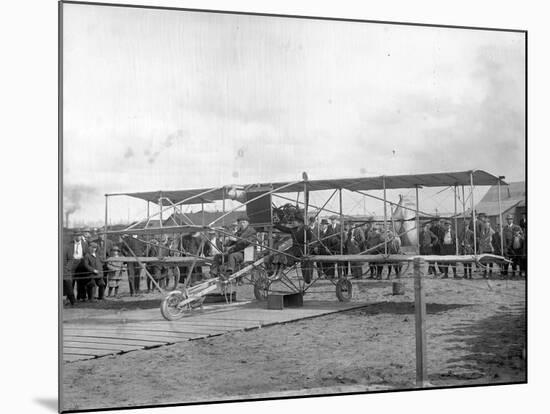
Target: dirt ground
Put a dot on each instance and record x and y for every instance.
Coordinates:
(476, 334)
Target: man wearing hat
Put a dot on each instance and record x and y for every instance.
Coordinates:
(94, 273)
(508, 232)
(130, 246)
(447, 241)
(235, 248)
(301, 236)
(72, 259)
(321, 247)
(335, 239)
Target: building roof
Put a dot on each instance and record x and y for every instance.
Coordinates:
(511, 195)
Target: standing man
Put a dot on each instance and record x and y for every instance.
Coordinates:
(427, 242)
(94, 273)
(354, 245)
(134, 269)
(72, 259)
(375, 245)
(448, 247)
(486, 238)
(508, 232)
(323, 242)
(334, 241)
(301, 236)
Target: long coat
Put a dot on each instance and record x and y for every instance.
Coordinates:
(92, 263)
(72, 266)
(427, 241)
(447, 249)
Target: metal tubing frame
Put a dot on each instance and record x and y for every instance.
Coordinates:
(160, 210)
(474, 225)
(464, 209)
(500, 219)
(179, 203)
(106, 225)
(341, 223)
(385, 217)
(417, 220)
(456, 222)
(306, 219)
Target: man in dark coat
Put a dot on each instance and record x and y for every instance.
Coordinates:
(335, 240)
(301, 235)
(138, 248)
(323, 248)
(94, 273)
(447, 241)
(355, 240)
(508, 232)
(244, 236)
(72, 259)
(427, 242)
(375, 245)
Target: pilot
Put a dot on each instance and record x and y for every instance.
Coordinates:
(234, 252)
(301, 236)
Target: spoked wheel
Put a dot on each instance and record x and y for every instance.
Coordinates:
(261, 288)
(344, 290)
(170, 306)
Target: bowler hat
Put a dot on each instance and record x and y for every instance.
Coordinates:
(510, 216)
(324, 221)
(93, 244)
(242, 218)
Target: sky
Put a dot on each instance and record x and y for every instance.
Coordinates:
(159, 100)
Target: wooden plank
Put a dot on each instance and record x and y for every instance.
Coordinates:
(164, 327)
(98, 345)
(87, 351)
(111, 341)
(72, 358)
(132, 335)
(148, 330)
(200, 322)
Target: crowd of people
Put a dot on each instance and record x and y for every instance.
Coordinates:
(88, 276)
(87, 273)
(436, 238)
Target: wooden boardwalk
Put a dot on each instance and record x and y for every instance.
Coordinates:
(117, 333)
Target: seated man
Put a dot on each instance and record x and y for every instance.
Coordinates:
(234, 250)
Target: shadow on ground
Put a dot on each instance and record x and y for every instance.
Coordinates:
(494, 347)
(119, 304)
(406, 308)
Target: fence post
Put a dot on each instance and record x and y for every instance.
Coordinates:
(420, 324)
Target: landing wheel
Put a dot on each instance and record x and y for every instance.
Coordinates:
(170, 306)
(344, 290)
(261, 288)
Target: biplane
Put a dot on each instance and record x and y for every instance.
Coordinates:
(269, 206)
